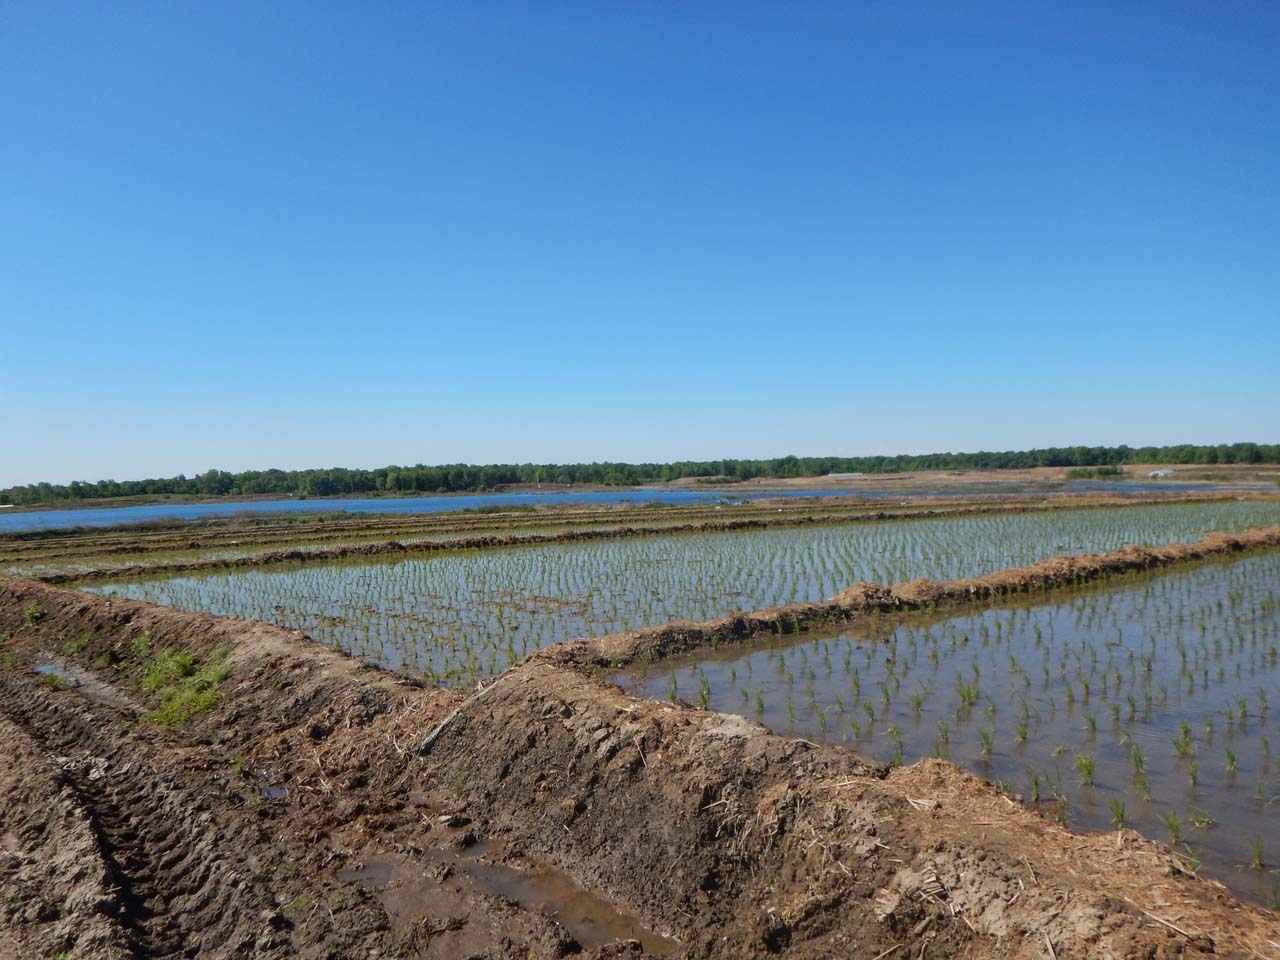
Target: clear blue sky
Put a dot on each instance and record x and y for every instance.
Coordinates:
(315, 234)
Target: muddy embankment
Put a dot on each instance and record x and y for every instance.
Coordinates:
(321, 808)
(464, 534)
(862, 599)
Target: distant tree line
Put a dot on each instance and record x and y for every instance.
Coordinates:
(460, 477)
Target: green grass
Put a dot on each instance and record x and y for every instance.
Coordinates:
(52, 680)
(78, 644)
(167, 668)
(183, 687)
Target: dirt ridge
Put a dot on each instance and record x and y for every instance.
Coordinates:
(619, 650)
(707, 827)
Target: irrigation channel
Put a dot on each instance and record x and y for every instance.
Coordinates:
(459, 616)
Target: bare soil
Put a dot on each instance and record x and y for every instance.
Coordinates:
(1258, 476)
(326, 809)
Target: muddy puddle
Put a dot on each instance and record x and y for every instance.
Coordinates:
(85, 683)
(443, 884)
(1151, 705)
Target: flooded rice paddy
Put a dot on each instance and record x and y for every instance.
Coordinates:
(81, 566)
(1148, 705)
(456, 617)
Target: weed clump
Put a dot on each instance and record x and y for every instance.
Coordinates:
(79, 643)
(182, 685)
(10, 659)
(53, 681)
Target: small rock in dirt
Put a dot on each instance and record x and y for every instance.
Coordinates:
(621, 948)
(454, 820)
(349, 809)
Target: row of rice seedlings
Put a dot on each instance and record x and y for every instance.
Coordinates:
(1148, 705)
(456, 617)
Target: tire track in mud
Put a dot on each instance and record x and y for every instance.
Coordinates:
(173, 894)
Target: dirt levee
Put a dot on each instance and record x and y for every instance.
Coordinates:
(860, 599)
(314, 807)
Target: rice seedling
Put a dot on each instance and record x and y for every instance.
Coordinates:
(1255, 847)
(987, 737)
(1117, 812)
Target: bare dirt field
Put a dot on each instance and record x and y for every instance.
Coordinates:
(184, 785)
(1236, 476)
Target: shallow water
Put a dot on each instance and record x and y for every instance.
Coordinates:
(1157, 696)
(444, 503)
(460, 616)
(589, 919)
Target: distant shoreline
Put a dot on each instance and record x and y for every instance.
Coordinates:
(1244, 476)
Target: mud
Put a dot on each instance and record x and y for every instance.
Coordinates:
(119, 838)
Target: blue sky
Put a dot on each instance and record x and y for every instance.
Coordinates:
(246, 235)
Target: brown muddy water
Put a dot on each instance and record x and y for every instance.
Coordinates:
(592, 921)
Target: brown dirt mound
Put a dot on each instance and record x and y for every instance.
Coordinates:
(302, 816)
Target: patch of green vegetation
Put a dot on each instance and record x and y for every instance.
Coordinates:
(183, 686)
(167, 668)
(142, 644)
(32, 615)
(1094, 473)
(11, 659)
(53, 681)
(78, 644)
